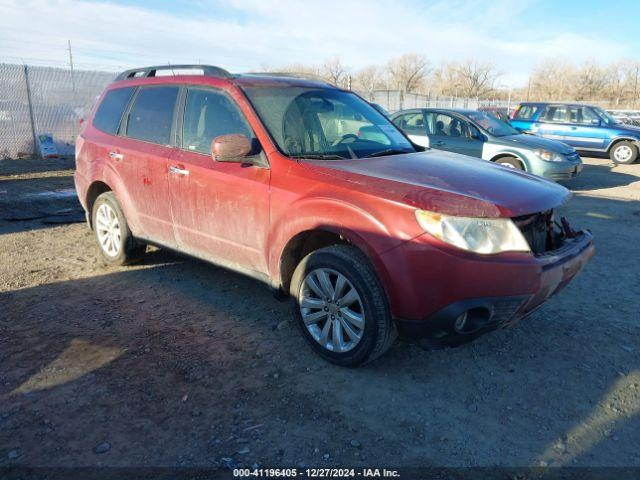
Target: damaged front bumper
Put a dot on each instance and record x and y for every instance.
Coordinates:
(510, 287)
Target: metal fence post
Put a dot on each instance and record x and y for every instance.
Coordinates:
(31, 116)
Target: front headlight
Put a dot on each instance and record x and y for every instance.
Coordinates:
(479, 235)
(548, 156)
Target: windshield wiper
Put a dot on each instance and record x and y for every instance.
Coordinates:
(319, 156)
(388, 151)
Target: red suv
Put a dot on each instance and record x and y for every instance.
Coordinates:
(310, 189)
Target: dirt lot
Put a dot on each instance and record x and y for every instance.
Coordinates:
(174, 362)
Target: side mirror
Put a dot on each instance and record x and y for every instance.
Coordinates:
(230, 148)
(476, 135)
(596, 122)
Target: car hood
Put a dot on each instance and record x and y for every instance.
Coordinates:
(448, 183)
(533, 142)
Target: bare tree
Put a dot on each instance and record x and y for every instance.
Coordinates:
(369, 79)
(476, 79)
(445, 80)
(334, 71)
(632, 81)
(590, 81)
(617, 84)
(408, 72)
(552, 79)
(296, 69)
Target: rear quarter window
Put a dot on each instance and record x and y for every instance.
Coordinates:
(526, 112)
(109, 113)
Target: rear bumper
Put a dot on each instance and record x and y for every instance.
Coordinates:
(498, 291)
(82, 185)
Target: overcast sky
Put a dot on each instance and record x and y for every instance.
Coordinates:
(245, 35)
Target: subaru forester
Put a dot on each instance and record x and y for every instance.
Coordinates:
(309, 189)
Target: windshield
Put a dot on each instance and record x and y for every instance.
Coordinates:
(325, 123)
(492, 125)
(606, 116)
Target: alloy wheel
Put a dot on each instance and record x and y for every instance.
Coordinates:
(332, 310)
(108, 230)
(623, 153)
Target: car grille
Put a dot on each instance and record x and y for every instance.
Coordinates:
(537, 229)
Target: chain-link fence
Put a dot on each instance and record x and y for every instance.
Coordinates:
(44, 100)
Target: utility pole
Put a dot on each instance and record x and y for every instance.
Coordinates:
(73, 80)
(36, 150)
(529, 88)
(635, 88)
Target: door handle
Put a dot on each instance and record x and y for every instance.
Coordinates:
(116, 156)
(178, 171)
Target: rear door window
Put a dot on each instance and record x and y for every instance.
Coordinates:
(526, 112)
(151, 115)
(109, 113)
(443, 125)
(556, 114)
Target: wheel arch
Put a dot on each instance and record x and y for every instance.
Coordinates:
(312, 239)
(107, 179)
(96, 189)
(300, 245)
(511, 154)
(616, 140)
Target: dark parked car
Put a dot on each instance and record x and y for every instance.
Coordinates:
(479, 134)
(309, 189)
(584, 127)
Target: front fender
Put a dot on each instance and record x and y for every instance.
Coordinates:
(620, 138)
(493, 152)
(354, 224)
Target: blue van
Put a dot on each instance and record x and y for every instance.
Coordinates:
(584, 127)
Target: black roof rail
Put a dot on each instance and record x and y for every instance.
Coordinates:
(207, 70)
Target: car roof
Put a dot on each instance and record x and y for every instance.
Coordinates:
(568, 104)
(462, 111)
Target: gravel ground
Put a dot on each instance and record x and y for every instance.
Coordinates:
(174, 362)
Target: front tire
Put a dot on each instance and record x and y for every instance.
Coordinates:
(510, 162)
(341, 307)
(115, 242)
(624, 153)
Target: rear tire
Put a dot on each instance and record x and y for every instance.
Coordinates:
(341, 307)
(624, 153)
(510, 162)
(115, 242)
